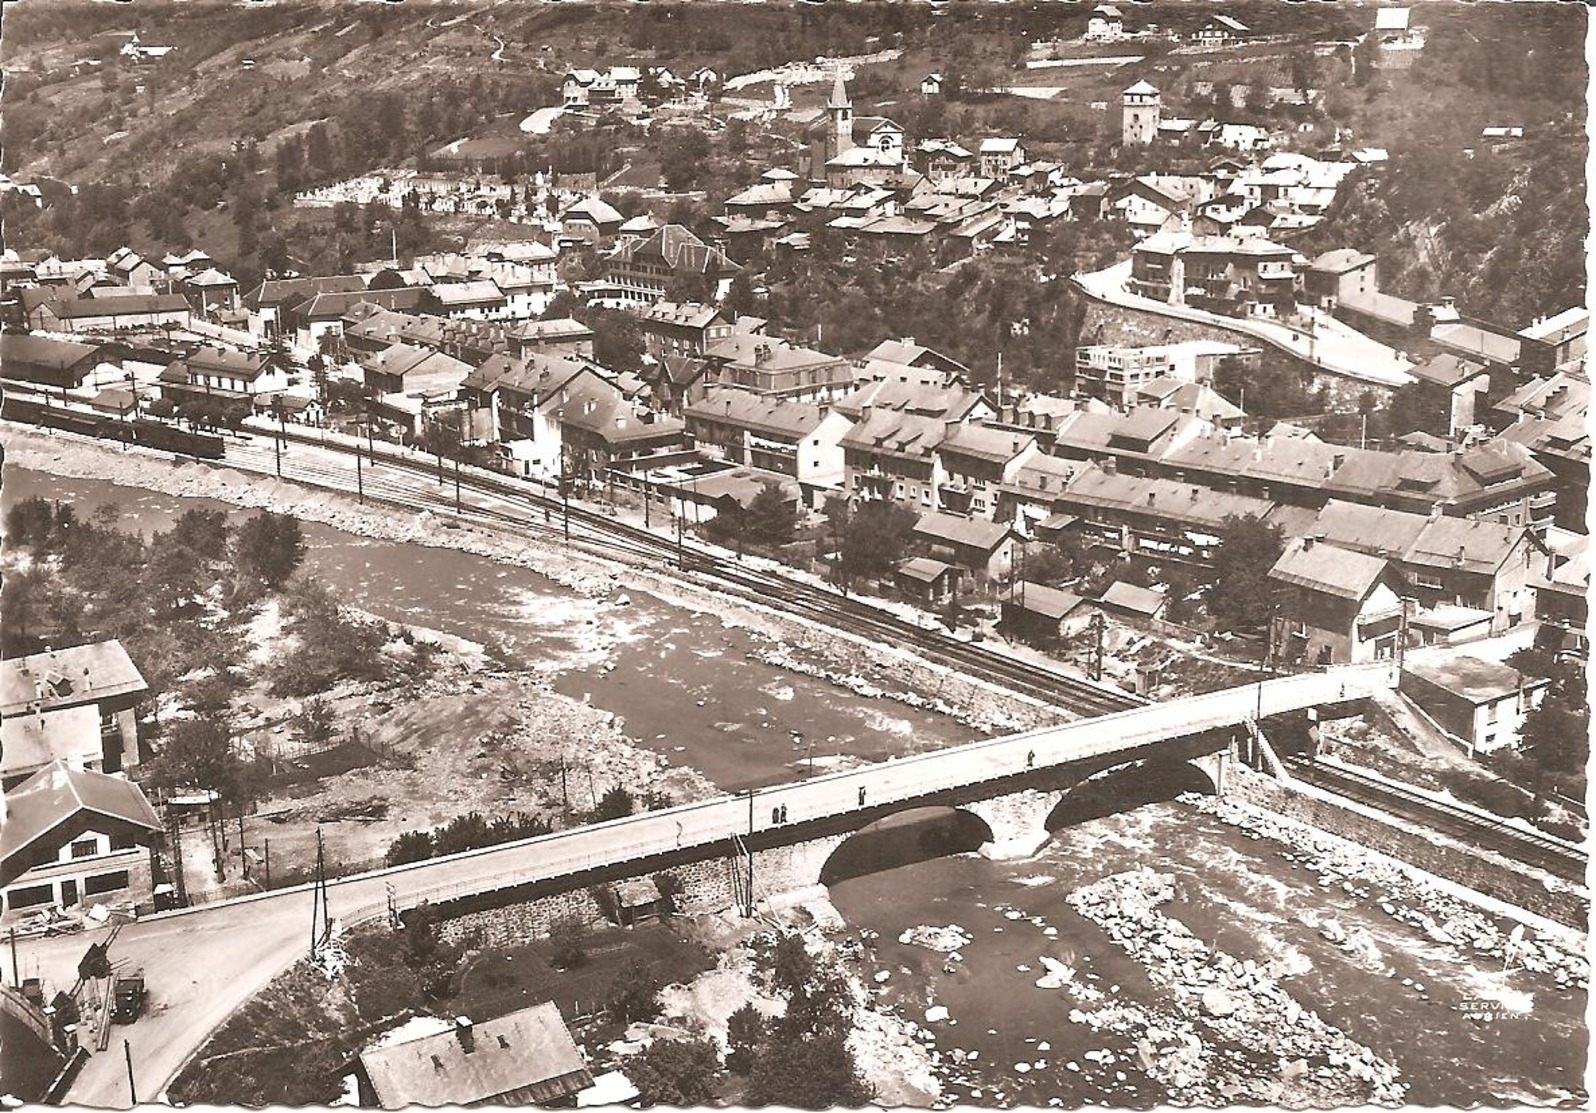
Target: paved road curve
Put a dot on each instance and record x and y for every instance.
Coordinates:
(200, 964)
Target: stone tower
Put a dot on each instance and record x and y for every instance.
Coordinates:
(1142, 108)
(840, 110)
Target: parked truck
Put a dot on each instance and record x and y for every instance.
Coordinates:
(128, 997)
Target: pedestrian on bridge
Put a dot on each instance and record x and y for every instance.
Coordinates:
(861, 795)
(1030, 759)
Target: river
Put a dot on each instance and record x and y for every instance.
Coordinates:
(686, 687)
(683, 683)
(1240, 896)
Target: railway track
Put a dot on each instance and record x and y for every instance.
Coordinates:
(766, 588)
(1469, 827)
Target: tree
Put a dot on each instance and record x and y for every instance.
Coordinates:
(198, 754)
(1556, 737)
(269, 548)
(617, 803)
(745, 1032)
(873, 541)
(676, 1072)
(1238, 598)
(771, 518)
(568, 943)
(792, 967)
(634, 994)
(816, 1073)
(314, 725)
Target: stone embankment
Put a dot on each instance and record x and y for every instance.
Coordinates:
(1226, 1018)
(1405, 894)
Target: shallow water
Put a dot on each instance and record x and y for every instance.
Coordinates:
(1238, 895)
(682, 682)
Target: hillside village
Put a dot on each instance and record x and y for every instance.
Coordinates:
(770, 308)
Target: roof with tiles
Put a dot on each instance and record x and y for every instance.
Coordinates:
(1187, 503)
(982, 442)
(973, 533)
(907, 436)
(52, 797)
(744, 409)
(528, 1052)
(1329, 569)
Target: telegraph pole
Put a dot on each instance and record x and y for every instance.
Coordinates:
(457, 484)
(1098, 626)
(360, 479)
(16, 972)
(132, 1091)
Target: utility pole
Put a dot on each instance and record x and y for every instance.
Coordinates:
(320, 933)
(565, 796)
(243, 862)
(457, 484)
(177, 859)
(277, 454)
(16, 972)
(360, 479)
(268, 848)
(132, 1091)
(1099, 625)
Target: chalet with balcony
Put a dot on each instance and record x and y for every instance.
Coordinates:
(983, 552)
(977, 462)
(243, 379)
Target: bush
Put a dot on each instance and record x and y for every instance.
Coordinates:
(568, 943)
(634, 994)
(676, 1072)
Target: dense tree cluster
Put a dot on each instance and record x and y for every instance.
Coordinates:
(471, 831)
(1239, 596)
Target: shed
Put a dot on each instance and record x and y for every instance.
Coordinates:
(1129, 601)
(1036, 612)
(929, 581)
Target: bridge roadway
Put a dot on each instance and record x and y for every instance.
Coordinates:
(202, 963)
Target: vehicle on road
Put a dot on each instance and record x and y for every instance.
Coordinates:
(128, 995)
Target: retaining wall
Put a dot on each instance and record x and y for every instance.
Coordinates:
(1475, 869)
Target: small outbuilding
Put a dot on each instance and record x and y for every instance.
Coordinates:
(1036, 612)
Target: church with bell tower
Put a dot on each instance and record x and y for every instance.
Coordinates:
(847, 150)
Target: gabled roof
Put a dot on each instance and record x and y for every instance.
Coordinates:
(902, 435)
(282, 291)
(1135, 600)
(1477, 341)
(593, 209)
(30, 742)
(1571, 322)
(746, 410)
(66, 677)
(211, 277)
(686, 314)
(982, 442)
(1447, 370)
(41, 351)
(999, 145)
(680, 250)
(527, 1055)
(1141, 88)
(923, 569)
(1328, 569)
(1468, 544)
(1368, 529)
(475, 292)
(971, 532)
(1049, 602)
(1341, 260)
(742, 349)
(52, 797)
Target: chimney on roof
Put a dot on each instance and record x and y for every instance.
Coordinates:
(1195, 492)
(464, 1033)
(1307, 542)
(1152, 497)
(1111, 465)
(1462, 551)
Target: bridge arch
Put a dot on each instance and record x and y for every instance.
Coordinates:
(1122, 788)
(904, 838)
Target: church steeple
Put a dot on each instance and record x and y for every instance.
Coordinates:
(839, 93)
(840, 109)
